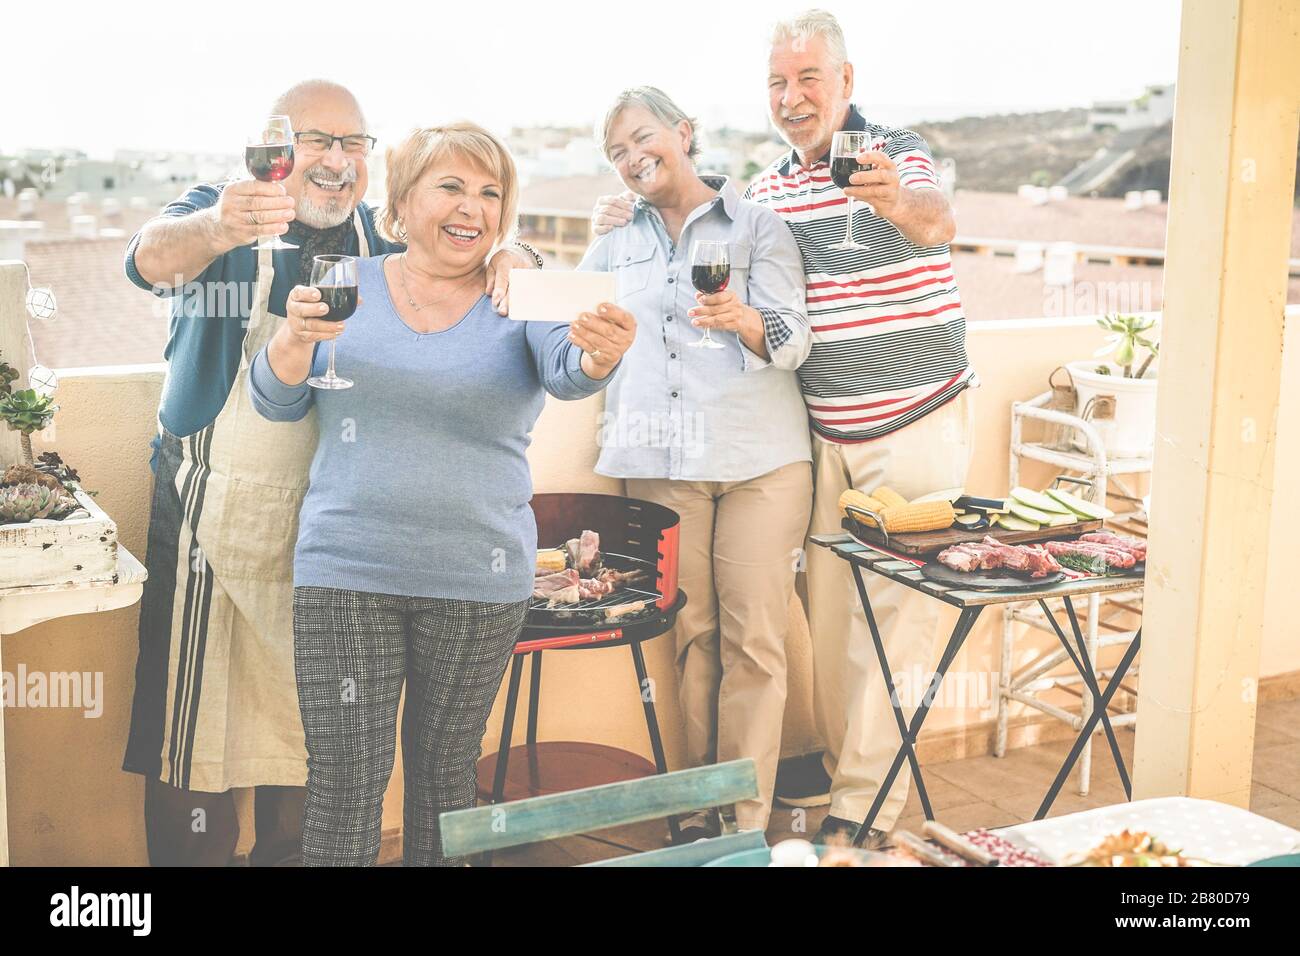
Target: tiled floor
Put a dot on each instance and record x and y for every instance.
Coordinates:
(988, 792)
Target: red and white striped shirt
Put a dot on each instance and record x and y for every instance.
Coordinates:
(888, 329)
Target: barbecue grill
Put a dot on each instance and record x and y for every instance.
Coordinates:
(634, 535)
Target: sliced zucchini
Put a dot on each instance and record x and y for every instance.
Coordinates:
(1038, 500)
(1027, 513)
(1084, 509)
(1057, 521)
(973, 522)
(1013, 523)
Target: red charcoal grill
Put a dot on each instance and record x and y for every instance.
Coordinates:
(634, 534)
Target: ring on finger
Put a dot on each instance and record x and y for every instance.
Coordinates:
(252, 218)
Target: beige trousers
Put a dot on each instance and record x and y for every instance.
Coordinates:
(850, 699)
(740, 544)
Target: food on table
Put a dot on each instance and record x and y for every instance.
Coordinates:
(1026, 512)
(990, 506)
(889, 497)
(916, 516)
(1084, 509)
(1009, 522)
(1133, 848)
(1003, 850)
(1039, 501)
(1092, 557)
(991, 554)
(1136, 546)
(973, 522)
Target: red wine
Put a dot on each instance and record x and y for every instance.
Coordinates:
(842, 167)
(342, 300)
(269, 162)
(711, 279)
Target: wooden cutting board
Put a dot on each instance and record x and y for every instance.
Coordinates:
(924, 544)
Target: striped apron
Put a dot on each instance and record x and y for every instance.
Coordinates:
(216, 703)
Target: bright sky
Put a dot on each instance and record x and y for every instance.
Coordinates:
(151, 75)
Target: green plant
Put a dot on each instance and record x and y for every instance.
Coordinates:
(27, 411)
(1128, 333)
(25, 502)
(8, 375)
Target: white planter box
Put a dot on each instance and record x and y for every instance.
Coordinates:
(1132, 432)
(72, 551)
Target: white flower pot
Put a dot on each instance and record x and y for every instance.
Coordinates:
(1132, 432)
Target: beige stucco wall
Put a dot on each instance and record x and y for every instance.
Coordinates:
(69, 802)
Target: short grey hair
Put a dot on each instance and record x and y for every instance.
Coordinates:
(660, 104)
(813, 23)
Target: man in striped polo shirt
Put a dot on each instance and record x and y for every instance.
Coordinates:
(886, 386)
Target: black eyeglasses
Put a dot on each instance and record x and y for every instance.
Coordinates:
(354, 144)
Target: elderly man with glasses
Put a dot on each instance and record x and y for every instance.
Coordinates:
(216, 706)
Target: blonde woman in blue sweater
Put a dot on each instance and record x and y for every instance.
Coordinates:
(416, 541)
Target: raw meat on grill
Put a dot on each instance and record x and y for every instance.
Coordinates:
(588, 553)
(1135, 546)
(621, 579)
(991, 554)
(562, 587)
(591, 588)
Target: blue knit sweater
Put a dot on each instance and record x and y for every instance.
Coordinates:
(419, 485)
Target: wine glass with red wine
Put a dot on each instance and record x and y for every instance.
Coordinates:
(710, 273)
(845, 146)
(335, 277)
(269, 159)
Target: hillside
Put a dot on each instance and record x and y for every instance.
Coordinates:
(999, 153)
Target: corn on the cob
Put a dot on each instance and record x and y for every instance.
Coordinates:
(889, 497)
(861, 501)
(550, 559)
(921, 516)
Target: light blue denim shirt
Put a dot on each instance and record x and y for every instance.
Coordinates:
(704, 414)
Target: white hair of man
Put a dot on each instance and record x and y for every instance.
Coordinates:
(809, 24)
(660, 104)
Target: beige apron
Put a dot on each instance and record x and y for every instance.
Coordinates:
(232, 703)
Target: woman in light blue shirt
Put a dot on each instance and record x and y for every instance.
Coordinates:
(718, 435)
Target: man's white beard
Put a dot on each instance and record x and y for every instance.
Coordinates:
(332, 211)
(327, 215)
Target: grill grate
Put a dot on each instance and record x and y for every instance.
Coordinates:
(624, 595)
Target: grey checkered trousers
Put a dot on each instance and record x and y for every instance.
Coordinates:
(352, 652)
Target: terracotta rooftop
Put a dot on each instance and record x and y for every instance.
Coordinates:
(102, 318)
(54, 216)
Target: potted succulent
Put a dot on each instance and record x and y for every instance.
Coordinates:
(1119, 396)
(51, 531)
(27, 411)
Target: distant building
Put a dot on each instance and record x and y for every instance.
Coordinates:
(1153, 108)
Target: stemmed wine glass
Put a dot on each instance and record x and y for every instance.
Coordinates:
(336, 279)
(269, 158)
(710, 273)
(845, 147)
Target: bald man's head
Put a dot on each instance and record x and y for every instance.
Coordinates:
(308, 95)
(327, 184)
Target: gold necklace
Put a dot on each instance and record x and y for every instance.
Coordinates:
(410, 299)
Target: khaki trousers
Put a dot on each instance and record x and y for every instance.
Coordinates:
(740, 544)
(850, 699)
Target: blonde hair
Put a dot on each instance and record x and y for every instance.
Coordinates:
(659, 104)
(812, 23)
(409, 159)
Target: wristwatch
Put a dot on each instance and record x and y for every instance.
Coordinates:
(528, 250)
